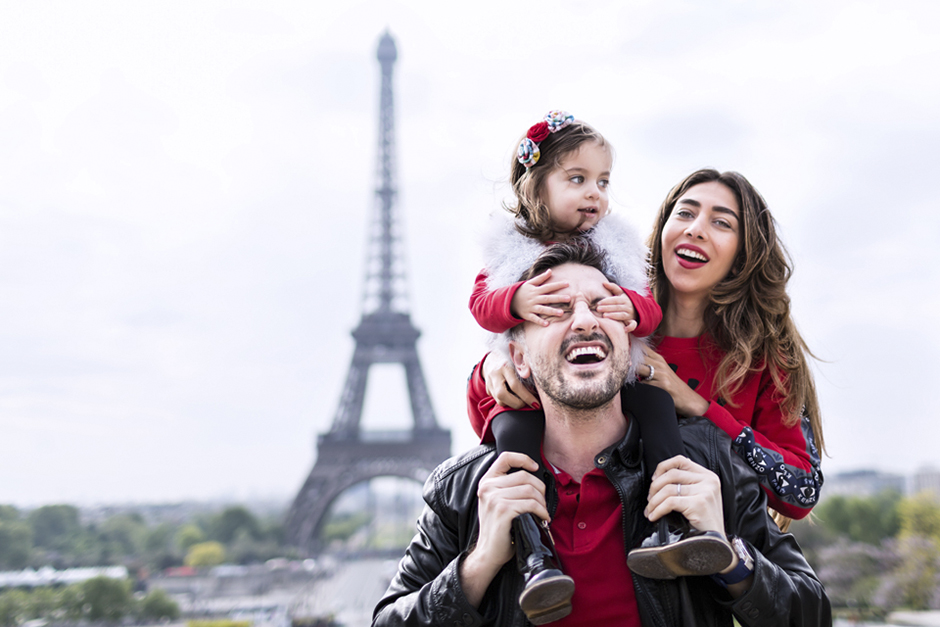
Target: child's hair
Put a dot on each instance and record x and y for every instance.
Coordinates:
(532, 216)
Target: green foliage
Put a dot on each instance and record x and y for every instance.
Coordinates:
(8, 512)
(920, 516)
(218, 623)
(16, 544)
(341, 528)
(189, 535)
(123, 534)
(158, 605)
(106, 599)
(55, 526)
(225, 526)
(861, 519)
(205, 554)
(12, 607)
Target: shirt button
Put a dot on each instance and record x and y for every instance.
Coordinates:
(582, 525)
(569, 492)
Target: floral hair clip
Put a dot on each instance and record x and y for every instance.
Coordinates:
(528, 152)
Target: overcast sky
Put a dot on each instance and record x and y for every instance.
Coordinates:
(184, 188)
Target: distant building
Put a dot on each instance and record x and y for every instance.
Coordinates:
(48, 576)
(926, 480)
(861, 483)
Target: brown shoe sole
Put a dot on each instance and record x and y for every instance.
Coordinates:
(547, 600)
(704, 555)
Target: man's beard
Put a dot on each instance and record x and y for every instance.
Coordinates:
(581, 391)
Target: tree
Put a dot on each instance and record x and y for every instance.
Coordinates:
(861, 519)
(106, 598)
(12, 607)
(920, 516)
(226, 525)
(55, 526)
(188, 535)
(158, 605)
(16, 544)
(205, 554)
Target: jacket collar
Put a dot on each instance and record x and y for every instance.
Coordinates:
(628, 450)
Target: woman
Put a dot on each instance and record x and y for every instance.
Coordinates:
(726, 348)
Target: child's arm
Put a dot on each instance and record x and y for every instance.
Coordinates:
(491, 308)
(503, 308)
(626, 305)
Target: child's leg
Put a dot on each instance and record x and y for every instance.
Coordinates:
(673, 548)
(519, 432)
(548, 591)
(655, 415)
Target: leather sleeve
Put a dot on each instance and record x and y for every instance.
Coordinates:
(426, 588)
(785, 590)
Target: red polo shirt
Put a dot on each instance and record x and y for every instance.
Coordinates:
(588, 533)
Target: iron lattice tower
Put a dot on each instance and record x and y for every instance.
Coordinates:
(346, 455)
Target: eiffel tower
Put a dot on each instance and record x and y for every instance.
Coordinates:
(346, 455)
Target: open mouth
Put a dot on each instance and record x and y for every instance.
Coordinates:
(691, 255)
(589, 210)
(586, 355)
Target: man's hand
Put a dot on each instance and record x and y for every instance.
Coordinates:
(681, 485)
(502, 496)
(504, 385)
(531, 301)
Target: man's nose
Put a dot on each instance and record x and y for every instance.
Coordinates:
(583, 317)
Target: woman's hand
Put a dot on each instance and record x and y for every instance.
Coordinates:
(681, 485)
(504, 385)
(688, 402)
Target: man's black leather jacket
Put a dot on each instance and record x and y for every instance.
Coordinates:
(785, 591)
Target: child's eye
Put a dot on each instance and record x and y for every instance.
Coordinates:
(603, 183)
(577, 178)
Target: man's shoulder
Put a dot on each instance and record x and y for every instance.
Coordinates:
(458, 475)
(704, 442)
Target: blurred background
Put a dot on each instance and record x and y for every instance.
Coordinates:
(185, 189)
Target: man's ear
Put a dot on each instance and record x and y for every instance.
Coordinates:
(517, 355)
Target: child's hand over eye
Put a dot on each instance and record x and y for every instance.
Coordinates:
(618, 306)
(533, 300)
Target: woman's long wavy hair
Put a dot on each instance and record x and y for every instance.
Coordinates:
(532, 215)
(748, 313)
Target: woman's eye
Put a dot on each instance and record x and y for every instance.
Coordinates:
(684, 213)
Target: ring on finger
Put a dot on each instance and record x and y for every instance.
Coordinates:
(649, 377)
(678, 489)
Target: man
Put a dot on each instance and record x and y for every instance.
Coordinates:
(458, 570)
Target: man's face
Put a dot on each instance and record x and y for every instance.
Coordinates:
(581, 358)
